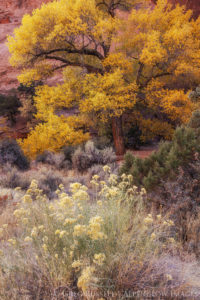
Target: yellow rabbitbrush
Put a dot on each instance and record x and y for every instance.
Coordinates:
(78, 243)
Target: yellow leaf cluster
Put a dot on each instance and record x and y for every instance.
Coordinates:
(165, 35)
(35, 74)
(107, 95)
(51, 135)
(152, 128)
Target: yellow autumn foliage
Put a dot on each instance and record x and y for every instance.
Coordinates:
(145, 63)
(52, 135)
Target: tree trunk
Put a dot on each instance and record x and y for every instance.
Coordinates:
(118, 135)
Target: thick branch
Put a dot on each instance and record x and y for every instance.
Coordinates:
(156, 76)
(113, 6)
(141, 67)
(90, 69)
(72, 51)
(148, 79)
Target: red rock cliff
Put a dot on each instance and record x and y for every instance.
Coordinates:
(190, 4)
(11, 12)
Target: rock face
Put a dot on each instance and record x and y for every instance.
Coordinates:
(190, 4)
(11, 12)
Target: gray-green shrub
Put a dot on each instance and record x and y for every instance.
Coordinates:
(88, 155)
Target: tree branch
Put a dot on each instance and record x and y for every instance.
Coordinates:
(156, 76)
(141, 67)
(90, 69)
(83, 51)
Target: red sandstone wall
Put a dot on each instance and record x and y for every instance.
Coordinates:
(190, 4)
(11, 12)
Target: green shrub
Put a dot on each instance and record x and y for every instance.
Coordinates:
(163, 163)
(195, 120)
(102, 142)
(132, 137)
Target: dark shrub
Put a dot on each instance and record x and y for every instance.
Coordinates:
(102, 142)
(9, 106)
(68, 152)
(164, 163)
(61, 160)
(180, 197)
(81, 161)
(87, 156)
(10, 152)
(45, 157)
(133, 137)
(49, 183)
(12, 178)
(29, 89)
(194, 95)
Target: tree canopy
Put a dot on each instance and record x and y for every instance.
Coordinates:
(142, 65)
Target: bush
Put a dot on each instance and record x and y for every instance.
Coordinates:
(165, 162)
(9, 106)
(48, 179)
(49, 183)
(87, 156)
(74, 244)
(12, 178)
(10, 152)
(102, 142)
(68, 152)
(61, 160)
(133, 138)
(181, 198)
(99, 169)
(53, 159)
(195, 120)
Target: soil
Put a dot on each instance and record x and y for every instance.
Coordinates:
(143, 152)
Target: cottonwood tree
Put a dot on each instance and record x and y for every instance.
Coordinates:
(165, 50)
(111, 66)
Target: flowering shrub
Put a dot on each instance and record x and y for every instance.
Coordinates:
(78, 242)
